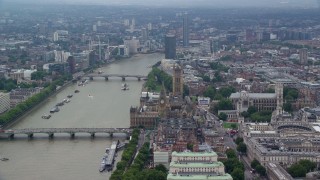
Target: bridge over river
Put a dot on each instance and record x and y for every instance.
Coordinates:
(106, 76)
(72, 131)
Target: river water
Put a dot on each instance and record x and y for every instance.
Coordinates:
(98, 104)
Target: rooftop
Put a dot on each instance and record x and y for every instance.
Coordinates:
(198, 177)
(194, 154)
(197, 164)
(254, 95)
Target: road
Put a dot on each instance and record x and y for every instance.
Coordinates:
(229, 143)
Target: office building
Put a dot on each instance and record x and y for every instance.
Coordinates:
(60, 35)
(170, 46)
(185, 30)
(303, 54)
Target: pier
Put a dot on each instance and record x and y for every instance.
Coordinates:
(72, 131)
(111, 155)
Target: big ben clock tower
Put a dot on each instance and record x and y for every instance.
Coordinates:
(162, 102)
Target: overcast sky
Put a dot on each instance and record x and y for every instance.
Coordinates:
(185, 3)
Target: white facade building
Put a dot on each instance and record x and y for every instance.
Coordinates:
(60, 35)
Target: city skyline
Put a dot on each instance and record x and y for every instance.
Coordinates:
(183, 3)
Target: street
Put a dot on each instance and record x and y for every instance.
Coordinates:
(229, 143)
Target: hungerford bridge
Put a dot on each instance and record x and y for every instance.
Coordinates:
(72, 131)
(122, 76)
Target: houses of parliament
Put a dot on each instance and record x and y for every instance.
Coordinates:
(157, 106)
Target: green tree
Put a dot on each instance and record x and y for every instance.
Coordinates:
(206, 78)
(224, 104)
(153, 174)
(227, 91)
(162, 168)
(231, 153)
(242, 148)
(254, 163)
(223, 116)
(237, 174)
(251, 110)
(245, 114)
(309, 165)
(287, 107)
(234, 126)
(261, 170)
(121, 165)
(238, 140)
(190, 147)
(297, 170)
(209, 92)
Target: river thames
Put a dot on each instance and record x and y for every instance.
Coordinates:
(98, 104)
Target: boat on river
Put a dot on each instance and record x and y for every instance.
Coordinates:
(66, 100)
(4, 159)
(60, 103)
(46, 116)
(54, 109)
(76, 91)
(69, 96)
(103, 165)
(125, 87)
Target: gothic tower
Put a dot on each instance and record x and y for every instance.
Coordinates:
(162, 102)
(177, 81)
(279, 93)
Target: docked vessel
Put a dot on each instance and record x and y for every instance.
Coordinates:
(55, 109)
(66, 100)
(46, 116)
(4, 159)
(60, 103)
(103, 165)
(125, 87)
(111, 155)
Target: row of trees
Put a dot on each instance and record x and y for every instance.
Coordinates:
(241, 146)
(219, 94)
(137, 170)
(233, 166)
(290, 95)
(127, 155)
(301, 168)
(155, 79)
(255, 164)
(21, 108)
(222, 95)
(254, 115)
(7, 84)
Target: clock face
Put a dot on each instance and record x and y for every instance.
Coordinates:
(161, 101)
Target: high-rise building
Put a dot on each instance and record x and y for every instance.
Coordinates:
(144, 34)
(303, 55)
(170, 46)
(60, 35)
(185, 30)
